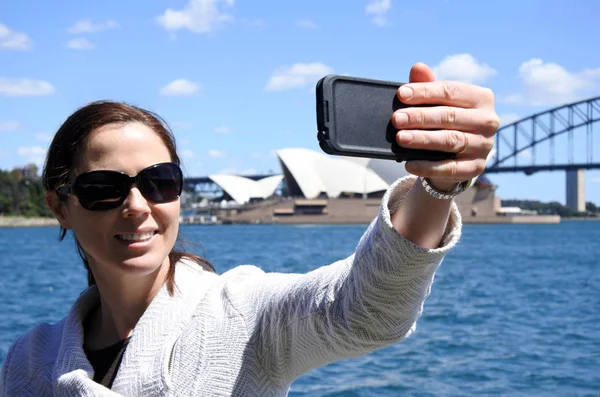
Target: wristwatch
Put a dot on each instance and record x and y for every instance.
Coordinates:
(445, 195)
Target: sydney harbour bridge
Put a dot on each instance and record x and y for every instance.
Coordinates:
(558, 139)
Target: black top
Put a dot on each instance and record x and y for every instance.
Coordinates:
(106, 362)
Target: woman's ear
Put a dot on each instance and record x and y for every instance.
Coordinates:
(58, 209)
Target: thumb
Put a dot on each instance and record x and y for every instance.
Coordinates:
(421, 73)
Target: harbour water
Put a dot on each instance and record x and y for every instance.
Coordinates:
(514, 310)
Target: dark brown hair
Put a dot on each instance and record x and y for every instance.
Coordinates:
(66, 148)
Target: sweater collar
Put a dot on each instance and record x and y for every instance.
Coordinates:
(161, 323)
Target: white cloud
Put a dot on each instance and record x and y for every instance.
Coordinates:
(198, 16)
(509, 118)
(297, 76)
(228, 171)
(514, 98)
(24, 87)
(181, 87)
(80, 44)
(223, 129)
(463, 67)
(216, 153)
(11, 40)
(187, 154)
(306, 24)
(31, 151)
(44, 137)
(378, 10)
(87, 26)
(34, 154)
(9, 126)
(548, 83)
(248, 172)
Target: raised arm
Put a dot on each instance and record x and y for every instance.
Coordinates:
(374, 297)
(465, 124)
(369, 300)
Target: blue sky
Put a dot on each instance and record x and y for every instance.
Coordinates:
(235, 79)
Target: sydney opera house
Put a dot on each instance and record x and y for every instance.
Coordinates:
(317, 188)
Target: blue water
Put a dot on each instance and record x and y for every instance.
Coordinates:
(514, 310)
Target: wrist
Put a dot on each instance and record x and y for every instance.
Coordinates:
(443, 185)
(445, 190)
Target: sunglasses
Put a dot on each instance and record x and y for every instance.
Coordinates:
(104, 190)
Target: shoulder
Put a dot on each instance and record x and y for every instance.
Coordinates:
(199, 285)
(252, 292)
(42, 338)
(242, 272)
(241, 282)
(34, 353)
(191, 273)
(249, 280)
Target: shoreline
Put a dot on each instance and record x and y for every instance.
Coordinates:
(21, 221)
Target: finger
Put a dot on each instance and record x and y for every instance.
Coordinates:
(446, 118)
(465, 144)
(453, 93)
(454, 170)
(421, 73)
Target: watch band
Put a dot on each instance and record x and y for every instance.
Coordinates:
(445, 195)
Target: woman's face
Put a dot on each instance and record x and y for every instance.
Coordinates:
(106, 236)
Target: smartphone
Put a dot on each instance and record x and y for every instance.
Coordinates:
(354, 118)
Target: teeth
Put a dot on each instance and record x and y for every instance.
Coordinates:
(136, 237)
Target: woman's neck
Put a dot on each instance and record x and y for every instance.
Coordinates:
(123, 301)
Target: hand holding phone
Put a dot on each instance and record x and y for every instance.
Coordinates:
(354, 118)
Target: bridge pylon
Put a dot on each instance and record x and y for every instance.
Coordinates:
(576, 189)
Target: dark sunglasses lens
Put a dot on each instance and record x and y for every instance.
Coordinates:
(101, 190)
(162, 183)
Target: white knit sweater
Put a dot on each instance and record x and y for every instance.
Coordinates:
(246, 332)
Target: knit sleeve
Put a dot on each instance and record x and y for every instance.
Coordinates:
(373, 298)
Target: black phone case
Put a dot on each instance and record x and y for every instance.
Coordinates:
(354, 118)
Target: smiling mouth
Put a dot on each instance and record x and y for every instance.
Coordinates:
(135, 238)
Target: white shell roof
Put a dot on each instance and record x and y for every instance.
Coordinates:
(317, 172)
(243, 189)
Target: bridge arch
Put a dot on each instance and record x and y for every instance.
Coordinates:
(525, 134)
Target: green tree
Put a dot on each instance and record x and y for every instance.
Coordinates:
(550, 208)
(20, 195)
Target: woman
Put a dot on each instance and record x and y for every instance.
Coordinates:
(158, 322)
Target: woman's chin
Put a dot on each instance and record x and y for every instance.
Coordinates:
(144, 264)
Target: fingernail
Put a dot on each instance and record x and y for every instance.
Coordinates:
(401, 118)
(404, 137)
(406, 92)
